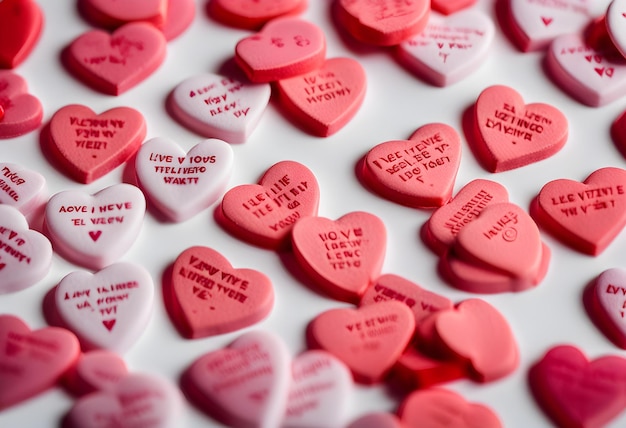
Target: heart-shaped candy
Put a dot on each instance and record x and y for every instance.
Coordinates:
(377, 420)
(95, 230)
(180, 15)
(284, 48)
(245, 384)
(369, 340)
(89, 145)
(218, 106)
(211, 297)
(22, 188)
(450, 6)
(25, 255)
(416, 369)
(113, 13)
(265, 213)
(419, 172)
(21, 111)
(326, 99)
(450, 48)
(586, 216)
(97, 370)
(510, 134)
(183, 184)
(606, 303)
(20, 27)
(114, 63)
(32, 361)
(343, 256)
(253, 14)
(615, 19)
(106, 310)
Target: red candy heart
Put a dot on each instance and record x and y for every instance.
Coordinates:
(21, 111)
(252, 14)
(20, 26)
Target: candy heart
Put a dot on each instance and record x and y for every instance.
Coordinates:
(320, 391)
(108, 309)
(253, 14)
(136, 400)
(326, 99)
(606, 303)
(344, 256)
(382, 23)
(112, 13)
(21, 111)
(22, 188)
(265, 213)
(284, 48)
(32, 361)
(180, 14)
(25, 255)
(416, 370)
(369, 340)
(89, 145)
(449, 48)
(615, 20)
(211, 297)
(511, 134)
(183, 184)
(586, 216)
(419, 172)
(114, 63)
(393, 287)
(20, 26)
(219, 106)
(377, 420)
(450, 6)
(98, 370)
(95, 230)
(574, 391)
(475, 332)
(245, 384)
(444, 408)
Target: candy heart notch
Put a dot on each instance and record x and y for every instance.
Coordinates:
(419, 172)
(32, 361)
(210, 297)
(98, 370)
(21, 111)
(220, 107)
(182, 184)
(89, 145)
(112, 13)
(95, 230)
(21, 22)
(326, 99)
(22, 188)
(605, 302)
(252, 14)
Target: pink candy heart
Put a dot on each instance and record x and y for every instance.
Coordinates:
(22, 188)
(21, 111)
(97, 370)
(606, 301)
(112, 13)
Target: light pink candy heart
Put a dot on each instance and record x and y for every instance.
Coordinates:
(22, 188)
(98, 370)
(95, 230)
(183, 184)
(608, 304)
(616, 24)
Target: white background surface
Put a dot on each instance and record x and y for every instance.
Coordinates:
(395, 105)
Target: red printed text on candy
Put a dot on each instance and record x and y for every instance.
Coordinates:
(521, 126)
(11, 178)
(468, 211)
(241, 366)
(325, 86)
(10, 241)
(371, 329)
(211, 281)
(589, 201)
(219, 98)
(343, 248)
(173, 172)
(122, 48)
(93, 133)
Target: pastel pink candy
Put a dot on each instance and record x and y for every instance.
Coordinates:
(217, 106)
(26, 256)
(109, 309)
(112, 13)
(377, 420)
(615, 21)
(136, 400)
(21, 111)
(95, 230)
(32, 361)
(182, 184)
(606, 304)
(22, 188)
(98, 370)
(450, 48)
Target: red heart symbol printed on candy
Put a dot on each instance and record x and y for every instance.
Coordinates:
(252, 14)
(112, 13)
(419, 172)
(211, 297)
(21, 111)
(97, 370)
(606, 304)
(32, 361)
(510, 134)
(20, 26)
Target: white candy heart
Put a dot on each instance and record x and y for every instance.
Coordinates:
(95, 230)
(450, 48)
(109, 309)
(183, 184)
(616, 24)
(22, 188)
(221, 107)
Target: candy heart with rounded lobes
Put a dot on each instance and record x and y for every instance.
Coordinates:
(324, 100)
(605, 301)
(210, 297)
(22, 188)
(21, 112)
(217, 106)
(25, 254)
(615, 19)
(252, 14)
(245, 384)
(21, 22)
(586, 216)
(377, 420)
(265, 213)
(342, 256)
(95, 230)
(136, 400)
(576, 392)
(182, 184)
(284, 48)
(448, 7)
(109, 309)
(450, 48)
(382, 23)
(369, 340)
(116, 62)
(438, 407)
(97, 370)
(32, 361)
(418, 172)
(112, 13)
